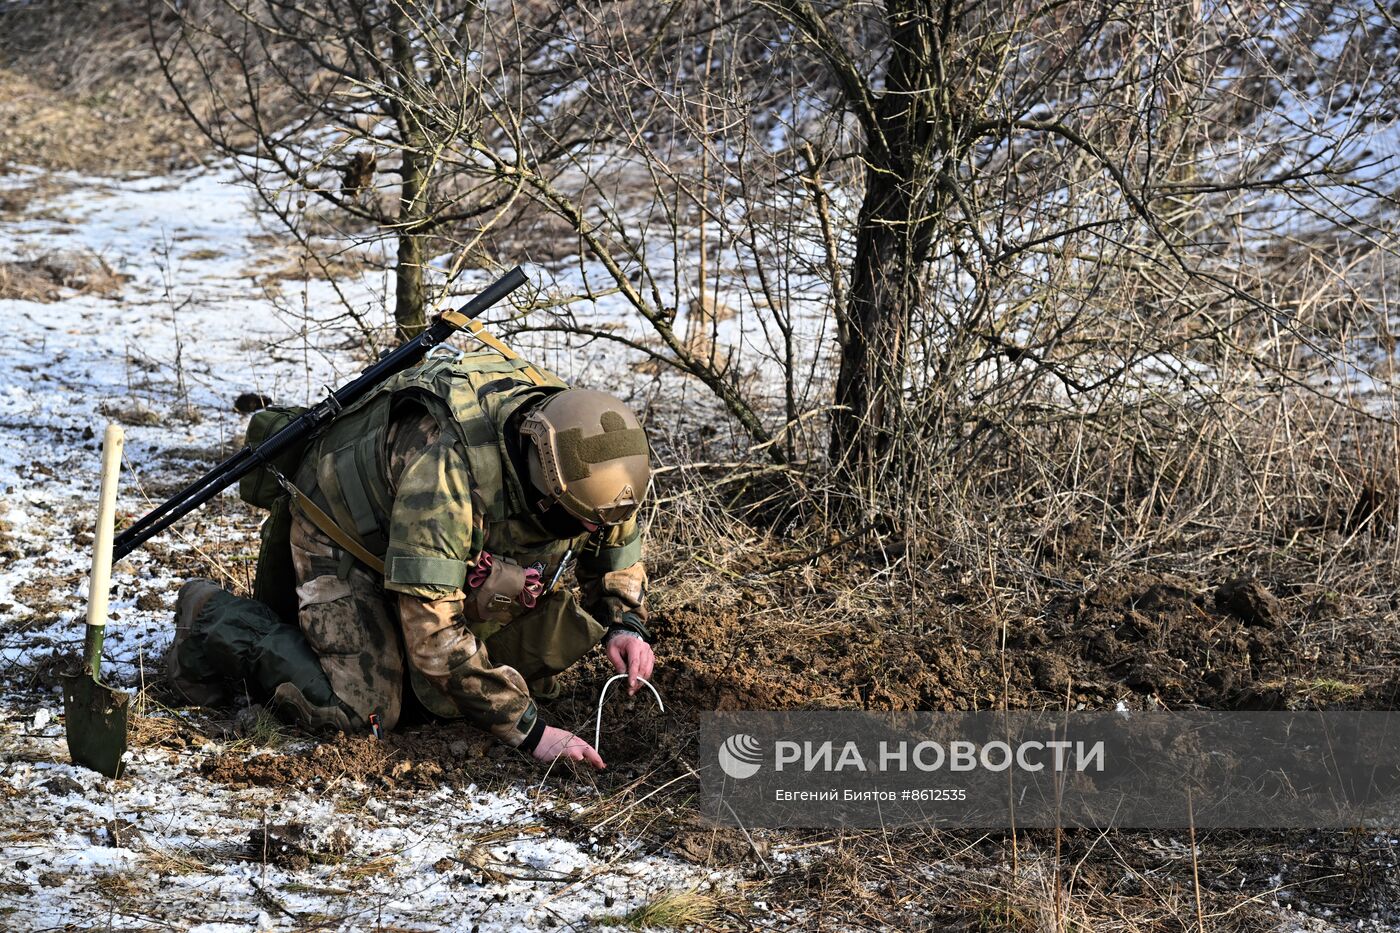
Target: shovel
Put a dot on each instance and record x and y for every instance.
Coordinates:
(95, 714)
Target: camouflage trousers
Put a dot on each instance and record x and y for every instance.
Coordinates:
(348, 646)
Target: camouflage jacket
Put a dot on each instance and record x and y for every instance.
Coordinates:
(422, 472)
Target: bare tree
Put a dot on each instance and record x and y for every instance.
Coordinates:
(916, 242)
(347, 102)
(1017, 213)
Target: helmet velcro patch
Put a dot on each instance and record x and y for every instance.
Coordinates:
(576, 452)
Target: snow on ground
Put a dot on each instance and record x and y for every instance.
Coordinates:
(187, 335)
(191, 331)
(178, 846)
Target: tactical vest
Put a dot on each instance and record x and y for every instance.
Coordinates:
(471, 397)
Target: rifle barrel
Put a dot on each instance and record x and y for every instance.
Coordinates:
(248, 459)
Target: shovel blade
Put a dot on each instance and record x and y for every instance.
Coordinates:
(96, 717)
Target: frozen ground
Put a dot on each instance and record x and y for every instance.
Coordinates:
(176, 844)
(165, 847)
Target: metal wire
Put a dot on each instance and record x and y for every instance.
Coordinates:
(598, 723)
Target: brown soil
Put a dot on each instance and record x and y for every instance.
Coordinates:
(399, 763)
(1143, 640)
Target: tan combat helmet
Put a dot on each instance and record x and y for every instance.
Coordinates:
(588, 453)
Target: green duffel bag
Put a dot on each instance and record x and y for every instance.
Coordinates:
(260, 487)
(275, 583)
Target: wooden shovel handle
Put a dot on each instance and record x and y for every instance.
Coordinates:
(100, 580)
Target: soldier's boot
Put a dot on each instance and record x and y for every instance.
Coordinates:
(190, 603)
(291, 705)
(229, 645)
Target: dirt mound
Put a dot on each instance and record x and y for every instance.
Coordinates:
(1156, 637)
(1250, 601)
(1179, 644)
(1144, 640)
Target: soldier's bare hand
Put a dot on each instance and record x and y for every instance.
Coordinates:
(631, 655)
(559, 743)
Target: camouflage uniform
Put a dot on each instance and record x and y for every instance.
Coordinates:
(425, 473)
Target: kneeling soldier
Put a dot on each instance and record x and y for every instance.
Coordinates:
(428, 533)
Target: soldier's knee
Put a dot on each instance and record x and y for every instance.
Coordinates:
(328, 616)
(433, 655)
(352, 634)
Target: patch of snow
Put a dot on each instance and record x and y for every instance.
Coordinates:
(191, 331)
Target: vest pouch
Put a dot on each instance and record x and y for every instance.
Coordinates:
(260, 487)
(495, 592)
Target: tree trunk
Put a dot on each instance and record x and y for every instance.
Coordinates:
(874, 328)
(893, 242)
(409, 293)
(410, 296)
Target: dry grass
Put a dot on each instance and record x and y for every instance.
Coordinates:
(1006, 489)
(49, 277)
(201, 255)
(960, 881)
(357, 870)
(259, 728)
(132, 413)
(673, 910)
(148, 731)
(120, 886)
(328, 262)
(65, 130)
(153, 724)
(716, 554)
(162, 862)
(1330, 690)
(80, 90)
(27, 199)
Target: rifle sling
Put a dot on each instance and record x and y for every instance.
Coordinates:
(329, 528)
(477, 330)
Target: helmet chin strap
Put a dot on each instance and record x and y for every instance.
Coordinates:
(545, 504)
